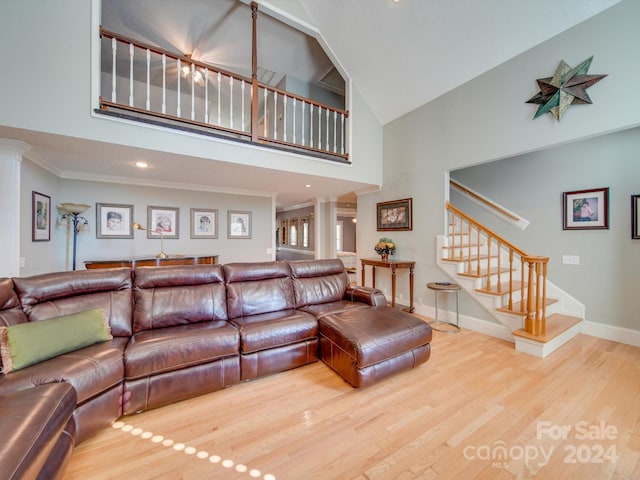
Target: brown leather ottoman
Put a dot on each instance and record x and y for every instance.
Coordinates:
(366, 345)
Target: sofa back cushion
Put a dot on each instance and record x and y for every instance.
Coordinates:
(10, 311)
(318, 281)
(178, 295)
(64, 293)
(261, 287)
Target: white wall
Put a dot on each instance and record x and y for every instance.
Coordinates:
(488, 119)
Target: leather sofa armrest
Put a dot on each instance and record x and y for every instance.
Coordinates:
(368, 295)
(33, 421)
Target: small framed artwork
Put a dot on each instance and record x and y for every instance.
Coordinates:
(585, 209)
(635, 217)
(238, 224)
(40, 217)
(163, 222)
(113, 220)
(204, 223)
(395, 215)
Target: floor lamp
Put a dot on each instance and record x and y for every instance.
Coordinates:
(71, 212)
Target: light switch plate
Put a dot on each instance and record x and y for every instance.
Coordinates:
(571, 260)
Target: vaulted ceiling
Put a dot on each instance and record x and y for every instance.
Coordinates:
(429, 47)
(433, 46)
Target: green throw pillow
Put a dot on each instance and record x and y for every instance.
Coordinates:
(24, 344)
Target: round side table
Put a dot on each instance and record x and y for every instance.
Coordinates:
(446, 287)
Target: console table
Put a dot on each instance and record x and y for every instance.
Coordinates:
(393, 265)
(153, 261)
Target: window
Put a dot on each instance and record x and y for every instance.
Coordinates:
(339, 236)
(304, 232)
(284, 231)
(293, 232)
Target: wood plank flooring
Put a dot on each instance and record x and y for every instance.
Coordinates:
(476, 409)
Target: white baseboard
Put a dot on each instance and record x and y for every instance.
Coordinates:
(486, 327)
(599, 330)
(611, 332)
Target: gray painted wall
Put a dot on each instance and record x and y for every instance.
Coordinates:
(41, 257)
(487, 119)
(531, 185)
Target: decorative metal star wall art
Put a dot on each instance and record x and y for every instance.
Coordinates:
(567, 86)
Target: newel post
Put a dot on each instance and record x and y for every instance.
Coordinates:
(535, 321)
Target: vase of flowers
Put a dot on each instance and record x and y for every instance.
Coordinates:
(385, 247)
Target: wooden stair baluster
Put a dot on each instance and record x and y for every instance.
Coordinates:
(531, 288)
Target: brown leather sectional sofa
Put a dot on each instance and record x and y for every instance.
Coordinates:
(179, 332)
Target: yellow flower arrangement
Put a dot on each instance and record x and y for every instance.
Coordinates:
(385, 246)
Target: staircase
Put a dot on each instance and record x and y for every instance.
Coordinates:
(510, 284)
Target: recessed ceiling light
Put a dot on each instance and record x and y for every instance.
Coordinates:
(142, 164)
(308, 185)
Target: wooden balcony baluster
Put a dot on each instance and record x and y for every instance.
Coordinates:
(325, 134)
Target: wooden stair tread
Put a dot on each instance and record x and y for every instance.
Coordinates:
(484, 272)
(556, 324)
(473, 258)
(464, 245)
(504, 289)
(515, 310)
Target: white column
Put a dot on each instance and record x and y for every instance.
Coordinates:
(318, 227)
(325, 212)
(11, 152)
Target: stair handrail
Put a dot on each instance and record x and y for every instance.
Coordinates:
(480, 199)
(532, 291)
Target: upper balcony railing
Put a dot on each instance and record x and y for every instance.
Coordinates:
(146, 80)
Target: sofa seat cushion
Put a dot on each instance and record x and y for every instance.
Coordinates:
(373, 335)
(275, 329)
(163, 350)
(324, 309)
(33, 420)
(91, 370)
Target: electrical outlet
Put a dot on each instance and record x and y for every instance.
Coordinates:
(571, 260)
(23, 262)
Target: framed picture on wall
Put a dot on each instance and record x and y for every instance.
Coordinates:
(40, 217)
(585, 209)
(163, 221)
(113, 220)
(238, 224)
(204, 223)
(635, 217)
(395, 215)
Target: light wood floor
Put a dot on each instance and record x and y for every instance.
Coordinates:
(573, 415)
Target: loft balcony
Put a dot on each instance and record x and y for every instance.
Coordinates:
(146, 83)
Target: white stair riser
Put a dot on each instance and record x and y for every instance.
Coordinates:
(491, 302)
